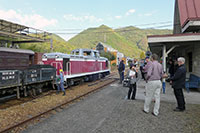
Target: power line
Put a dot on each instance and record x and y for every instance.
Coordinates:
(118, 30)
(146, 24)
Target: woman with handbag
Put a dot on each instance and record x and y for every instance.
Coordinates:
(132, 75)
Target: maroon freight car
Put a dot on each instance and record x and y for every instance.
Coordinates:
(38, 58)
(15, 58)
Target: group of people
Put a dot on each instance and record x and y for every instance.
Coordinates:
(152, 72)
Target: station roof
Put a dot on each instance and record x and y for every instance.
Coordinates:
(2, 49)
(17, 33)
(189, 11)
(156, 42)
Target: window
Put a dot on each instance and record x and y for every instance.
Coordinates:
(96, 55)
(66, 64)
(190, 61)
(87, 53)
(106, 63)
(77, 53)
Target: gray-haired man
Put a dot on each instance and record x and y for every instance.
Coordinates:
(154, 85)
(178, 83)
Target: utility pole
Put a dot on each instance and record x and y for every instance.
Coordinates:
(105, 38)
(51, 41)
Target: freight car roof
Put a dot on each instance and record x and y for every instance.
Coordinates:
(16, 50)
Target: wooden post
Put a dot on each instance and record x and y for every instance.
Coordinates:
(25, 92)
(18, 94)
(164, 66)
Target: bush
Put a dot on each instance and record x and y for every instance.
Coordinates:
(108, 55)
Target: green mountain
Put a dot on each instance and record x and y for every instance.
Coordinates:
(129, 40)
(92, 36)
(138, 36)
(59, 45)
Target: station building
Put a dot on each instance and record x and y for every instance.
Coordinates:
(185, 40)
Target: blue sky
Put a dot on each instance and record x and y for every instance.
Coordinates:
(73, 16)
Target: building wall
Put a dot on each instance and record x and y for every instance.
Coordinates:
(183, 51)
(196, 60)
(194, 48)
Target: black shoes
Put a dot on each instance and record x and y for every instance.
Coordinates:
(179, 110)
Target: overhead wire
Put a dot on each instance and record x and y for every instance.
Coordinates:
(117, 30)
(146, 24)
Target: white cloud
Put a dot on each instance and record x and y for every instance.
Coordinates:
(32, 20)
(90, 18)
(131, 11)
(118, 17)
(148, 14)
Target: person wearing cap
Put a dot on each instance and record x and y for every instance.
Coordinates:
(61, 85)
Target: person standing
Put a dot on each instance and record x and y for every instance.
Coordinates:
(154, 85)
(146, 67)
(178, 83)
(171, 68)
(121, 69)
(132, 74)
(141, 69)
(61, 84)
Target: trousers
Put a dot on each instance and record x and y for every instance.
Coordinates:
(153, 89)
(60, 86)
(178, 92)
(132, 90)
(121, 74)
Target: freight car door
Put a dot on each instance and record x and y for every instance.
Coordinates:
(66, 65)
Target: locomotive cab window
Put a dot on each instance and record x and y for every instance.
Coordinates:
(96, 55)
(76, 53)
(87, 53)
(106, 63)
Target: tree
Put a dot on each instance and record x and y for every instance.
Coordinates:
(108, 55)
(142, 55)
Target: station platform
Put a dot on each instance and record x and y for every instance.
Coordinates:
(108, 111)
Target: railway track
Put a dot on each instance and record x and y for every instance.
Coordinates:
(13, 102)
(109, 78)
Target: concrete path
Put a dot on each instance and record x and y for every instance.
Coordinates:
(107, 111)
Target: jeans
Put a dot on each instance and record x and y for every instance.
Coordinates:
(60, 86)
(121, 74)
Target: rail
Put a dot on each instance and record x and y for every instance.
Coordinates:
(54, 108)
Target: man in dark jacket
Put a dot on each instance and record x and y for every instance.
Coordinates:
(178, 83)
(121, 69)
